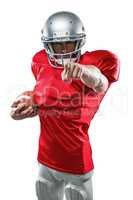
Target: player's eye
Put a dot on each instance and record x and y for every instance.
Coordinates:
(57, 47)
(70, 45)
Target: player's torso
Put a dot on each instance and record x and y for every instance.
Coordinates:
(51, 92)
(66, 110)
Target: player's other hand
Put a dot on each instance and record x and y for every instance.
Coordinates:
(71, 71)
(23, 107)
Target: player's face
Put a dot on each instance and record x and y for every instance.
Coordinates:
(63, 47)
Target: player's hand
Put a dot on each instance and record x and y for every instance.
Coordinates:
(24, 106)
(23, 110)
(71, 71)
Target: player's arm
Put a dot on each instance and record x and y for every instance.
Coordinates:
(90, 75)
(24, 107)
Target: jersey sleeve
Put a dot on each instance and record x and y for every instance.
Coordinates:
(35, 68)
(109, 66)
(107, 62)
(36, 63)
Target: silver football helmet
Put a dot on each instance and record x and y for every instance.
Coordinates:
(63, 27)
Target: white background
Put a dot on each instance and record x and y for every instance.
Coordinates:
(108, 26)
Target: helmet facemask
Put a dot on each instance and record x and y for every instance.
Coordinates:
(66, 55)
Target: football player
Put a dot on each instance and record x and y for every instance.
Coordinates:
(68, 91)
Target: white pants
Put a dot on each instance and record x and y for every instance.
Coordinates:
(55, 185)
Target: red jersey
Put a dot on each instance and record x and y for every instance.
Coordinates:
(66, 110)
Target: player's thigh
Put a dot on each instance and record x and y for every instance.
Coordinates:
(47, 186)
(80, 188)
